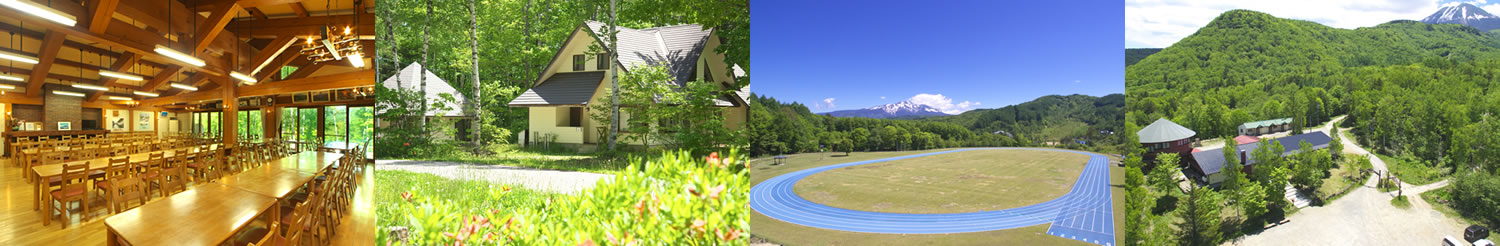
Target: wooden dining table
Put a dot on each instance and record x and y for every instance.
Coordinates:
(41, 173)
(207, 214)
(172, 221)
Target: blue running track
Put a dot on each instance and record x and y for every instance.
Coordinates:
(1085, 213)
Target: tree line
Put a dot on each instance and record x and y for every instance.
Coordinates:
(777, 127)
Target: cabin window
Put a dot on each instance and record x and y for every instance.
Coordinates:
(708, 74)
(603, 61)
(575, 116)
(578, 62)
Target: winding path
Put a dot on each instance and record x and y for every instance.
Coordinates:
(1085, 213)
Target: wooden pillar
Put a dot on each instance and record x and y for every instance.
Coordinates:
(230, 118)
(320, 124)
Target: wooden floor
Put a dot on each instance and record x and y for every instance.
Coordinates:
(20, 225)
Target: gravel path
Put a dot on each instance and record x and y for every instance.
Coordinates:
(1363, 217)
(538, 179)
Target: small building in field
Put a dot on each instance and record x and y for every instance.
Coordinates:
(411, 79)
(1210, 163)
(1266, 127)
(1165, 137)
(1243, 139)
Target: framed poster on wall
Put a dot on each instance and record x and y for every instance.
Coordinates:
(64, 126)
(143, 121)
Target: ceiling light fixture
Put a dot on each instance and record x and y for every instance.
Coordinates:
(7, 87)
(182, 86)
(120, 98)
(11, 78)
(149, 94)
(17, 57)
(41, 11)
(90, 87)
(68, 93)
(176, 55)
(124, 76)
(357, 60)
(242, 77)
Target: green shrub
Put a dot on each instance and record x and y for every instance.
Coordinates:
(1477, 195)
(673, 199)
(1401, 202)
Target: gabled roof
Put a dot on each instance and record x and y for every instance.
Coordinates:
(1212, 161)
(1265, 123)
(1163, 130)
(562, 89)
(1242, 139)
(676, 46)
(407, 79)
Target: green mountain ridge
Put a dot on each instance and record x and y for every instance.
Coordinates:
(1427, 90)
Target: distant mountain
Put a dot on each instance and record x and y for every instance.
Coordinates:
(1136, 55)
(903, 109)
(1052, 117)
(1466, 14)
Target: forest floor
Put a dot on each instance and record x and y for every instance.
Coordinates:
(772, 231)
(1365, 216)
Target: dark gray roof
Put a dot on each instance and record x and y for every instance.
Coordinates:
(1212, 161)
(407, 78)
(1163, 130)
(562, 89)
(676, 46)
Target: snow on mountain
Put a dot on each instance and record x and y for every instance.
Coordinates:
(1466, 14)
(900, 109)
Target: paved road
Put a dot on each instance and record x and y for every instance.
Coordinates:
(1363, 217)
(536, 179)
(1085, 213)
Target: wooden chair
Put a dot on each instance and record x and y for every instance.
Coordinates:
(174, 178)
(150, 171)
(103, 184)
(296, 223)
(75, 188)
(123, 186)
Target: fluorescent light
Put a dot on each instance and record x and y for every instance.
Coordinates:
(18, 57)
(7, 87)
(11, 78)
(171, 53)
(41, 11)
(357, 60)
(182, 86)
(119, 98)
(242, 77)
(146, 93)
(124, 76)
(90, 87)
(68, 93)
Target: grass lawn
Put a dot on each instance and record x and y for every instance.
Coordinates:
(542, 160)
(776, 231)
(468, 196)
(1413, 172)
(969, 181)
(1342, 179)
(1401, 202)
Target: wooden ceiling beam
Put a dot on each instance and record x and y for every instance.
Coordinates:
(259, 15)
(127, 42)
(213, 25)
(276, 48)
(101, 14)
(50, 45)
(326, 82)
(214, 4)
(301, 26)
(306, 71)
(161, 78)
(274, 67)
(297, 7)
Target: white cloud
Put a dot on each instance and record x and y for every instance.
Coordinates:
(882, 97)
(1160, 23)
(943, 103)
(827, 103)
(1077, 81)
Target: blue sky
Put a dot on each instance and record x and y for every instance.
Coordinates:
(1160, 23)
(836, 55)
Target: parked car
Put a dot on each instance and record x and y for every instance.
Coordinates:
(1484, 242)
(1476, 232)
(1450, 241)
